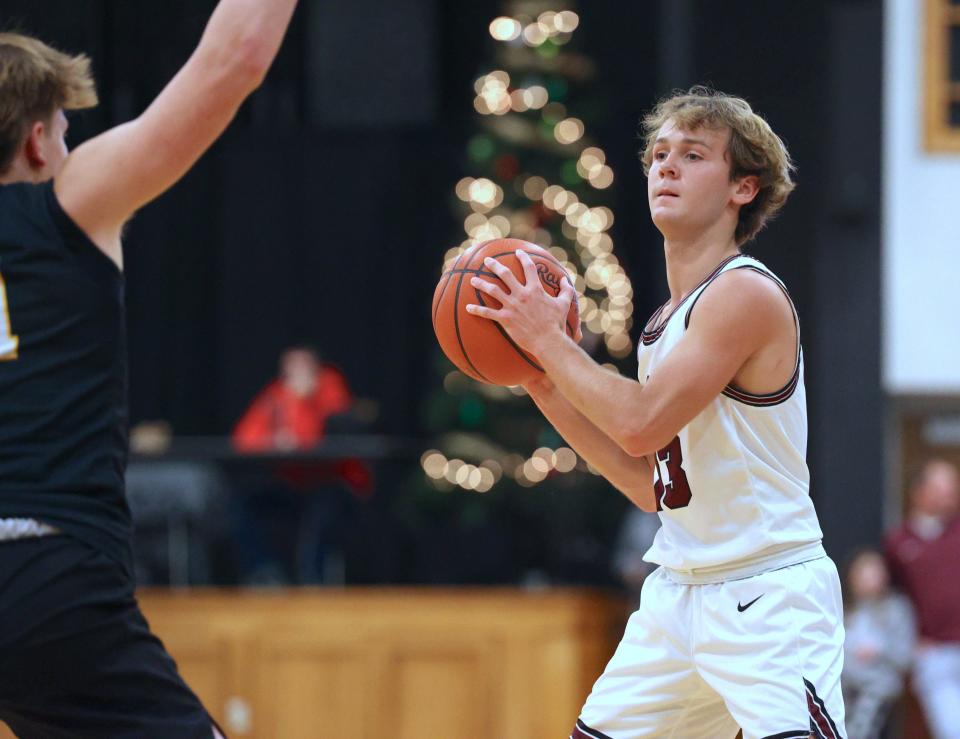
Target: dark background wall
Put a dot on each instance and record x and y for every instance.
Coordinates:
(322, 214)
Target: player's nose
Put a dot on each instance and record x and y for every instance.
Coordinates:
(668, 166)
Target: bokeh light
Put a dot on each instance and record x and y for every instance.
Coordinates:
(568, 130)
(566, 21)
(505, 29)
(534, 35)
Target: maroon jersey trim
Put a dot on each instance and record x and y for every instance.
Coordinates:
(650, 336)
(763, 400)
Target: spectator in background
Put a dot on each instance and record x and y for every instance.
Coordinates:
(292, 411)
(924, 554)
(878, 649)
(290, 523)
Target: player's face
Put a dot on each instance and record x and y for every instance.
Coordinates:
(689, 187)
(55, 143)
(58, 143)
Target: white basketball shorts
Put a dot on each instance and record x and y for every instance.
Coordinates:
(701, 661)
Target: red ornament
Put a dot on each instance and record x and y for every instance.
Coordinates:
(542, 213)
(506, 167)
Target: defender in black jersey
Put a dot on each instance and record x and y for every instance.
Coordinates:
(77, 658)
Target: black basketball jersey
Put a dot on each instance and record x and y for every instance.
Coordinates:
(63, 407)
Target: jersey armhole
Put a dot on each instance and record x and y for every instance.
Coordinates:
(74, 235)
(778, 396)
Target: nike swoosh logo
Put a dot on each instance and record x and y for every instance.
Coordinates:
(743, 608)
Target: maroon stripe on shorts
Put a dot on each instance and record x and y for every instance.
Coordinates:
(582, 731)
(818, 713)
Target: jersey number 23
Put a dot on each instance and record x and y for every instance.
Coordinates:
(670, 481)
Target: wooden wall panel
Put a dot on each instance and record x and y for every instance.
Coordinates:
(437, 693)
(208, 666)
(306, 688)
(390, 664)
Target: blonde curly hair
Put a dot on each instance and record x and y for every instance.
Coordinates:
(754, 148)
(36, 80)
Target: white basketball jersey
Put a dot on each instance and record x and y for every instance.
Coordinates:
(733, 486)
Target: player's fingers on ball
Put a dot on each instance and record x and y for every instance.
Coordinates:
(529, 268)
(567, 295)
(490, 288)
(503, 272)
(482, 311)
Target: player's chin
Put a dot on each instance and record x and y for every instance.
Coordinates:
(665, 216)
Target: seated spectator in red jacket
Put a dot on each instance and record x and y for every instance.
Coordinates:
(292, 411)
(923, 555)
(288, 524)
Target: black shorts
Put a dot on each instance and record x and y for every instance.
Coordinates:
(77, 658)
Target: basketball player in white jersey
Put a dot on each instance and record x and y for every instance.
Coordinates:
(741, 626)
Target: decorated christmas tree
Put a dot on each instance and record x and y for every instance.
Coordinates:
(499, 484)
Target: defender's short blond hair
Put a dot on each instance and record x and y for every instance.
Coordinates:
(754, 148)
(36, 80)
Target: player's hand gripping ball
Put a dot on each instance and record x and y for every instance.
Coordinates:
(481, 348)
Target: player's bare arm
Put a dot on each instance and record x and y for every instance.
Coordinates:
(741, 331)
(632, 476)
(109, 177)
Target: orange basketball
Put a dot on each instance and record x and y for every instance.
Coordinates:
(478, 346)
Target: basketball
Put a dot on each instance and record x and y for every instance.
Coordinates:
(479, 347)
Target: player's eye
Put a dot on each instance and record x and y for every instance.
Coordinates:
(660, 155)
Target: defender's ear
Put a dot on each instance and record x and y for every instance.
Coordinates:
(33, 146)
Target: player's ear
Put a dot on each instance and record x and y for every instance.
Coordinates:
(746, 189)
(33, 146)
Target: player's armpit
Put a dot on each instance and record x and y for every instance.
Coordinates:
(109, 177)
(739, 315)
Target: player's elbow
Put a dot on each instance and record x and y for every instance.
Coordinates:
(234, 70)
(637, 445)
(644, 429)
(646, 439)
(252, 61)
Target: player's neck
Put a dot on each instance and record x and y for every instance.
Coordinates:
(20, 171)
(689, 261)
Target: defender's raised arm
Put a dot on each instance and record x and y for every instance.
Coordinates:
(109, 177)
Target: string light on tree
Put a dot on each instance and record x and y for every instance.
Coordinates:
(568, 130)
(505, 29)
(483, 476)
